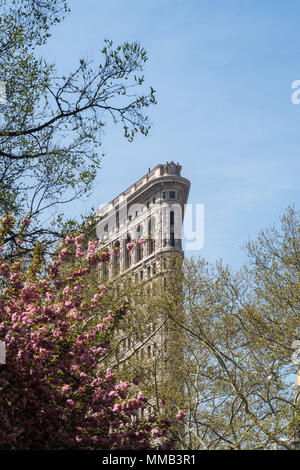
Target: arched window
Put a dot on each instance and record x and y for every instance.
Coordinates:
(172, 218)
(153, 268)
(116, 258)
(139, 252)
(151, 233)
(127, 252)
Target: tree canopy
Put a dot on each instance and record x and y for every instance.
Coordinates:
(56, 389)
(51, 126)
(239, 328)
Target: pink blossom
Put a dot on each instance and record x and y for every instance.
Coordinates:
(60, 398)
(117, 408)
(65, 253)
(141, 396)
(122, 386)
(142, 241)
(79, 238)
(130, 246)
(26, 221)
(71, 403)
(103, 288)
(181, 415)
(105, 257)
(79, 251)
(66, 389)
(8, 221)
(4, 269)
(157, 432)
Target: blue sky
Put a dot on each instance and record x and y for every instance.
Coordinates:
(223, 72)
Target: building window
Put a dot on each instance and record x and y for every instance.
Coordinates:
(172, 241)
(164, 195)
(153, 200)
(139, 230)
(141, 275)
(148, 272)
(139, 252)
(172, 218)
(127, 252)
(172, 194)
(153, 268)
(116, 258)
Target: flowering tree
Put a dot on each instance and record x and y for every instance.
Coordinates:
(55, 392)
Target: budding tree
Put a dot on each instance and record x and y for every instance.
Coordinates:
(52, 124)
(239, 329)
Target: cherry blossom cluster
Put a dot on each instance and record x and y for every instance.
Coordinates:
(139, 241)
(56, 389)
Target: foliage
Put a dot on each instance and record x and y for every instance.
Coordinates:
(239, 329)
(223, 342)
(52, 126)
(145, 339)
(56, 392)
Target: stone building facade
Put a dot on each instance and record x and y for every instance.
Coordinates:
(153, 209)
(147, 217)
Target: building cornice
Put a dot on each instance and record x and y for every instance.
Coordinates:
(147, 182)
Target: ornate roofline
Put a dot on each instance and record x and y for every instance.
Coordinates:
(160, 173)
